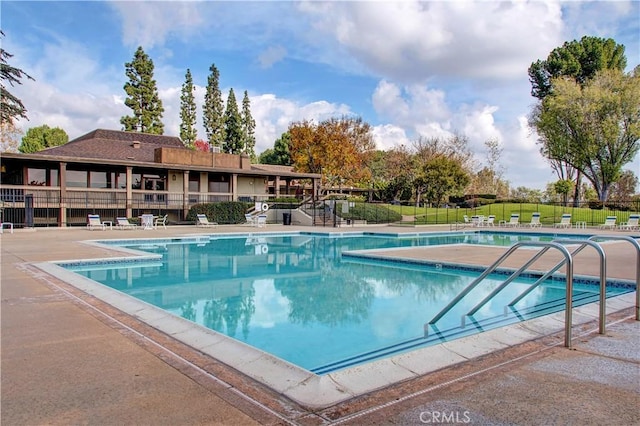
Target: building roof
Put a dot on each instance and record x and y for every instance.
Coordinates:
(119, 147)
(114, 145)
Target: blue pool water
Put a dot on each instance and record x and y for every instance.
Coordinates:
(296, 296)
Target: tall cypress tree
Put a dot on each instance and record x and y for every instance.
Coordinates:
(188, 131)
(142, 97)
(213, 109)
(248, 128)
(232, 126)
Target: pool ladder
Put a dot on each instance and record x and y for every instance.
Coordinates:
(568, 260)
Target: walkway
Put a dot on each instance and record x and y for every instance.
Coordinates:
(70, 359)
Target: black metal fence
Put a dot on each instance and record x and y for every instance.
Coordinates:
(45, 210)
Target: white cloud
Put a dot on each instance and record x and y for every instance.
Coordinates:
(272, 55)
(410, 41)
(388, 136)
(150, 24)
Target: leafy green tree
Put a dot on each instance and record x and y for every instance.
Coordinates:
(578, 61)
(563, 187)
(213, 110)
(248, 128)
(11, 108)
(443, 176)
(42, 137)
(232, 126)
(595, 127)
(188, 131)
(280, 154)
(142, 97)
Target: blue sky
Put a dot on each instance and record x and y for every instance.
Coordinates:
(408, 68)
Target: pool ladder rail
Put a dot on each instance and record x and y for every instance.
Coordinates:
(568, 260)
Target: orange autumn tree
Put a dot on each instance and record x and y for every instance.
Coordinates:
(341, 149)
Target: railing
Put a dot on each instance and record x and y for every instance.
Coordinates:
(568, 278)
(635, 243)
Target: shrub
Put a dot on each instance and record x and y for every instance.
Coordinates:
(225, 212)
(372, 213)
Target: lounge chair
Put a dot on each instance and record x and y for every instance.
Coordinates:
(631, 224)
(514, 221)
(94, 222)
(251, 220)
(123, 223)
(609, 223)
(490, 220)
(261, 220)
(477, 220)
(535, 221)
(202, 220)
(161, 220)
(565, 221)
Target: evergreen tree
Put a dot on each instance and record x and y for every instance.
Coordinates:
(213, 110)
(248, 128)
(232, 126)
(280, 154)
(142, 97)
(10, 107)
(188, 132)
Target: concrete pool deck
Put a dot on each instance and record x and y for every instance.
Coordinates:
(70, 358)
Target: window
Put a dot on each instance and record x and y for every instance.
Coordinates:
(36, 177)
(76, 179)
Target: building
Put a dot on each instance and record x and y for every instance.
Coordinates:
(116, 173)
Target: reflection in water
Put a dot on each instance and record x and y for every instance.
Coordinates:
(295, 297)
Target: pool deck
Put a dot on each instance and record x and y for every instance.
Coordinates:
(69, 358)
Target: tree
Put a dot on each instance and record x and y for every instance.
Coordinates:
(9, 136)
(594, 128)
(563, 187)
(578, 61)
(42, 137)
(142, 97)
(213, 110)
(339, 149)
(232, 126)
(455, 148)
(188, 131)
(248, 128)
(443, 176)
(625, 187)
(11, 108)
(280, 154)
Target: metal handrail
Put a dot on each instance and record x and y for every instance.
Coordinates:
(494, 266)
(635, 243)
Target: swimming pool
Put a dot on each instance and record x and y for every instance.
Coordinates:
(298, 297)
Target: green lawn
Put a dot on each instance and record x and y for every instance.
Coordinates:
(549, 214)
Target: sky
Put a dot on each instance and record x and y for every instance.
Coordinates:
(409, 68)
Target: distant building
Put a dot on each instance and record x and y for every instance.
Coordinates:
(116, 173)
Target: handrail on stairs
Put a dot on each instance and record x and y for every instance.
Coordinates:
(568, 278)
(636, 244)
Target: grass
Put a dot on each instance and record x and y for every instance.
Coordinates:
(549, 214)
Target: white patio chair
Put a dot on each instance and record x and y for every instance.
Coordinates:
(565, 221)
(535, 221)
(609, 223)
(123, 223)
(262, 220)
(632, 224)
(161, 221)
(94, 222)
(202, 220)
